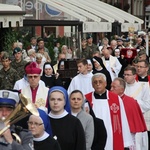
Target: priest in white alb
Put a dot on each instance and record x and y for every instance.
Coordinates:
(109, 107)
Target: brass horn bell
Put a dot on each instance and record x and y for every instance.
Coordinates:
(23, 109)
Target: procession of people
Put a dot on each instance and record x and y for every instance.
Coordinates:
(105, 105)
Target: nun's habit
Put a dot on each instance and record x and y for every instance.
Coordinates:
(66, 128)
(50, 80)
(102, 70)
(45, 141)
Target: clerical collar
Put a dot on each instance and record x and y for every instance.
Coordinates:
(58, 116)
(131, 84)
(106, 58)
(143, 79)
(43, 137)
(100, 96)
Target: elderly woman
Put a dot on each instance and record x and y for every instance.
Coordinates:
(46, 57)
(39, 61)
(66, 51)
(31, 55)
(66, 128)
(42, 140)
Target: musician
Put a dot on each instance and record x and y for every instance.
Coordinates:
(8, 101)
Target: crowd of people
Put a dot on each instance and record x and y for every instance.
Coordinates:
(105, 106)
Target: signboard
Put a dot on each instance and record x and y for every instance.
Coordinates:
(125, 26)
(97, 27)
(52, 11)
(31, 5)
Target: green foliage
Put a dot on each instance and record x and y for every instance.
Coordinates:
(50, 45)
(26, 41)
(13, 35)
(10, 36)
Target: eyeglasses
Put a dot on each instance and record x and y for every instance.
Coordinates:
(32, 77)
(98, 82)
(140, 67)
(127, 74)
(34, 123)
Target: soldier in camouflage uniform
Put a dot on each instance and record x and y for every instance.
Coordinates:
(8, 75)
(90, 44)
(18, 63)
(86, 51)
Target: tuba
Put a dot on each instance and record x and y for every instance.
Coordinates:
(23, 109)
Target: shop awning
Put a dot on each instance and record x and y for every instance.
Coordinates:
(97, 16)
(11, 15)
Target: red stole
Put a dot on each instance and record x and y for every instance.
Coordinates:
(136, 78)
(134, 115)
(115, 119)
(149, 79)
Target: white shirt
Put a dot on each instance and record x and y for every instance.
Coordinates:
(81, 82)
(22, 83)
(112, 63)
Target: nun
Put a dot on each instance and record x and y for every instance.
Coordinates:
(90, 65)
(99, 67)
(66, 128)
(49, 77)
(41, 131)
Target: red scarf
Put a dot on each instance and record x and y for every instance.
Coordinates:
(115, 119)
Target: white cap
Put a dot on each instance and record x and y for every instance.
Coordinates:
(117, 50)
(95, 60)
(62, 63)
(8, 98)
(89, 61)
(47, 66)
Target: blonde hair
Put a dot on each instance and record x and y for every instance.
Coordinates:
(39, 55)
(31, 51)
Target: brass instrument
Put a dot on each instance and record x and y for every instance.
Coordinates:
(23, 109)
